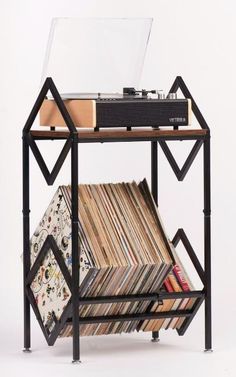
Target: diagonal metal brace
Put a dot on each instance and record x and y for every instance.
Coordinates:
(181, 236)
(49, 244)
(181, 173)
(49, 177)
(180, 84)
(49, 85)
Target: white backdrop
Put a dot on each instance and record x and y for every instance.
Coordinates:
(194, 39)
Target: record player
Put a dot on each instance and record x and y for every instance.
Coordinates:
(97, 64)
(130, 109)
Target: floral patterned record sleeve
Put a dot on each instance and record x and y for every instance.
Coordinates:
(49, 287)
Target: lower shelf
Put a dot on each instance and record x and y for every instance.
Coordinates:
(149, 320)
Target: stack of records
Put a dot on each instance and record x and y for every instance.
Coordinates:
(123, 250)
(177, 281)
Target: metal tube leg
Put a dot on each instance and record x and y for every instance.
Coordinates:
(154, 185)
(26, 242)
(155, 336)
(75, 250)
(207, 243)
(154, 170)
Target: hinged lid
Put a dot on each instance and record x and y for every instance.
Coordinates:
(96, 54)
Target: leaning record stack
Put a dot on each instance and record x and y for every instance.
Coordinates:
(123, 250)
(176, 281)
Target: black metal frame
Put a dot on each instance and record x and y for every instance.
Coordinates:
(71, 312)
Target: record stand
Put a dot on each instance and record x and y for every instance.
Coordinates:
(72, 137)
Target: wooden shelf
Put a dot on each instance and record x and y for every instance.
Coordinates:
(103, 135)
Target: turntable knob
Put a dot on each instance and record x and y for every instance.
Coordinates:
(161, 94)
(172, 96)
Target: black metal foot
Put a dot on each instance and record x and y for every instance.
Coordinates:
(27, 350)
(155, 337)
(76, 362)
(210, 350)
(155, 340)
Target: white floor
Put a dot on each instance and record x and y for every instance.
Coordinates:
(121, 355)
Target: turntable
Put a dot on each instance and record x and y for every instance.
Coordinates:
(96, 64)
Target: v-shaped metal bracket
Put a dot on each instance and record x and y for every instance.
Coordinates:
(49, 244)
(49, 85)
(180, 173)
(49, 177)
(180, 84)
(181, 236)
